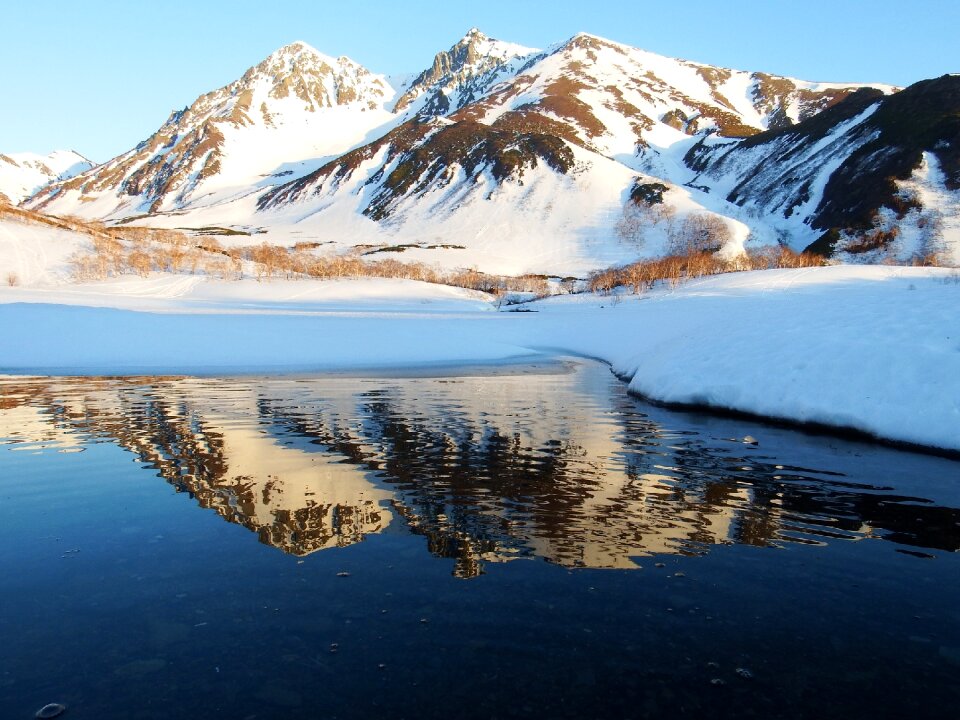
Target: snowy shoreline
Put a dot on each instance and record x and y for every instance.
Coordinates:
(869, 350)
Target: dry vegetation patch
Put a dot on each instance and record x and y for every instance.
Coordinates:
(677, 268)
(140, 251)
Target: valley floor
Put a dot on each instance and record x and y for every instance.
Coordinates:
(870, 348)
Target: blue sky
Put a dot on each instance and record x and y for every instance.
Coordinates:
(99, 76)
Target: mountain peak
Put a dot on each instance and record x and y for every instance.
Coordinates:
(319, 80)
(589, 40)
(460, 74)
(296, 46)
(293, 51)
(291, 57)
(284, 94)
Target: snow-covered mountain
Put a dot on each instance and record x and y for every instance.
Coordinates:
(536, 174)
(462, 75)
(23, 174)
(294, 110)
(873, 177)
(517, 160)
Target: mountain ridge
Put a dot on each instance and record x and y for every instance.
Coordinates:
(491, 139)
(23, 174)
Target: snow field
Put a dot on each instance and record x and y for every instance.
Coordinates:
(34, 253)
(874, 348)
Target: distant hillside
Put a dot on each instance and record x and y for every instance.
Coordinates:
(23, 174)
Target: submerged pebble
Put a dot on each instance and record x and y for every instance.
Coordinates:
(51, 710)
(744, 673)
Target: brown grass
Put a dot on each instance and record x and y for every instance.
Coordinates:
(141, 250)
(560, 98)
(675, 269)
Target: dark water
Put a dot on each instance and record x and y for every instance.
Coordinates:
(529, 543)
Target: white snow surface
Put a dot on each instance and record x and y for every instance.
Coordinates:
(875, 348)
(935, 227)
(36, 254)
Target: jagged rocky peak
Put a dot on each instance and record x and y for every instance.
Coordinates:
(286, 92)
(300, 70)
(462, 74)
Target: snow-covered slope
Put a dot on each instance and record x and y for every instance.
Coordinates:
(634, 105)
(33, 252)
(873, 177)
(23, 174)
(288, 114)
(781, 175)
(931, 224)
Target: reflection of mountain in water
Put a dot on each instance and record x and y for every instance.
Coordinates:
(487, 469)
(206, 441)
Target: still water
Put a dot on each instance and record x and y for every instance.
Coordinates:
(525, 542)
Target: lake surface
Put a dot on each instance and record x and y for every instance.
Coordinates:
(523, 542)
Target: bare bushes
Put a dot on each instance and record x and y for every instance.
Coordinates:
(140, 251)
(13, 279)
(773, 256)
(637, 219)
(274, 261)
(698, 233)
(676, 268)
(644, 211)
(499, 284)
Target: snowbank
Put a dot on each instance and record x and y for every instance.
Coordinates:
(866, 347)
(876, 349)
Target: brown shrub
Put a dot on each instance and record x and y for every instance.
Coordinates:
(140, 262)
(674, 269)
(140, 250)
